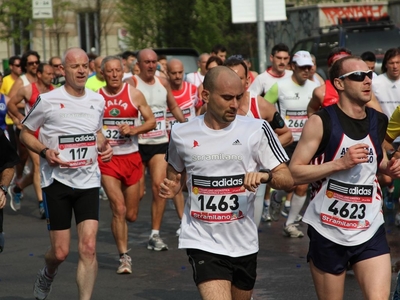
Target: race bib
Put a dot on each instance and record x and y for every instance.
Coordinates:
(347, 206)
(296, 119)
(188, 113)
(77, 150)
(112, 134)
(218, 199)
(160, 129)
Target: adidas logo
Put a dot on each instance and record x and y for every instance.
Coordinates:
(237, 142)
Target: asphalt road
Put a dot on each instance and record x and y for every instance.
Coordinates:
(282, 270)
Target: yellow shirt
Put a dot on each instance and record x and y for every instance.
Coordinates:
(94, 84)
(393, 129)
(8, 82)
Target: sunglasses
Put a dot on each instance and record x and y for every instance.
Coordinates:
(16, 65)
(56, 66)
(357, 75)
(31, 63)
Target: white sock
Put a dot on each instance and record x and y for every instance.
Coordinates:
(153, 232)
(287, 203)
(267, 202)
(295, 208)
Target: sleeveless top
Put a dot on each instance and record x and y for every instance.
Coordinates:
(331, 96)
(3, 112)
(346, 207)
(119, 109)
(253, 110)
(156, 97)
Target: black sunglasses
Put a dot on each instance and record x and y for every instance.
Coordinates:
(31, 63)
(357, 75)
(16, 65)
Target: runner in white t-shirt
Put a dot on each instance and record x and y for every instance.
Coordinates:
(70, 139)
(279, 60)
(291, 95)
(225, 157)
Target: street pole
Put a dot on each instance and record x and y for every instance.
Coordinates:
(43, 41)
(262, 54)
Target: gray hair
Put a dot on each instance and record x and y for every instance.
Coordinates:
(109, 58)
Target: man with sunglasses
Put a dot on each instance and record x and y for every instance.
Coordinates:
(59, 78)
(326, 94)
(291, 95)
(343, 142)
(30, 61)
(14, 63)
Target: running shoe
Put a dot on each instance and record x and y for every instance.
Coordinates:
(125, 266)
(266, 217)
(275, 207)
(42, 211)
(102, 194)
(285, 211)
(156, 243)
(42, 287)
(397, 220)
(292, 231)
(15, 199)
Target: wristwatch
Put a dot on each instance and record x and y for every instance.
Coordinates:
(43, 152)
(269, 174)
(4, 189)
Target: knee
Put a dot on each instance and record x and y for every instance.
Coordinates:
(87, 249)
(131, 217)
(61, 254)
(119, 209)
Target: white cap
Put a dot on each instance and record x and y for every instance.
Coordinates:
(302, 58)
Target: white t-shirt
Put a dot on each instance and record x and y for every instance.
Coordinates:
(195, 78)
(387, 92)
(69, 125)
(292, 100)
(264, 81)
(219, 215)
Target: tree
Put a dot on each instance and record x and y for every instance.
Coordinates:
(15, 23)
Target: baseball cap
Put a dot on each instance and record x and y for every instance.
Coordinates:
(302, 58)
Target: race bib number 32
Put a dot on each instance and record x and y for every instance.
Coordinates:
(77, 150)
(218, 199)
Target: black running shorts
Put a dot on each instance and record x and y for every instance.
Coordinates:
(61, 200)
(333, 258)
(241, 271)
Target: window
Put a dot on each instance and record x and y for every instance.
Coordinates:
(88, 30)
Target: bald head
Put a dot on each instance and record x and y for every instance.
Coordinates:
(70, 53)
(212, 77)
(175, 73)
(174, 63)
(144, 53)
(203, 58)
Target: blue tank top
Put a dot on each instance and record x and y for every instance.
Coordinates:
(3, 112)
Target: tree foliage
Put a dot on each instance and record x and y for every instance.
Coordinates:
(198, 24)
(15, 21)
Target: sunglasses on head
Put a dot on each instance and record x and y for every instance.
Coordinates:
(357, 75)
(31, 63)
